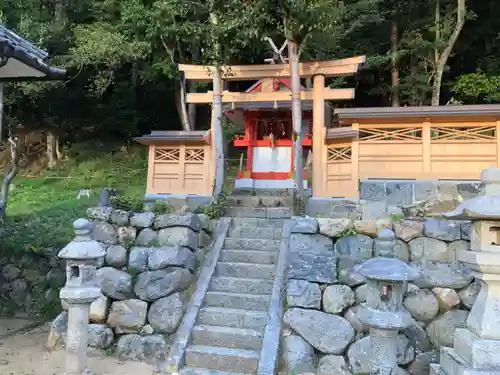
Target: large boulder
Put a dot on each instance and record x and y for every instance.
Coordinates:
(188, 220)
(116, 256)
(353, 249)
(443, 275)
(115, 284)
(330, 334)
(334, 227)
(138, 259)
(58, 329)
(302, 293)
(178, 236)
(311, 258)
(307, 225)
(407, 230)
(152, 285)
(98, 311)
(422, 305)
(142, 219)
(336, 298)
(151, 349)
(442, 230)
(359, 353)
(165, 314)
(128, 316)
(104, 232)
(100, 336)
(468, 295)
(441, 331)
(298, 356)
(447, 298)
(147, 237)
(169, 256)
(333, 365)
(429, 249)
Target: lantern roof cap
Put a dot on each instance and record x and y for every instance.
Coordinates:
(387, 269)
(83, 247)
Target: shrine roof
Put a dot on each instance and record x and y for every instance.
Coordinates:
(22, 60)
(174, 136)
(446, 111)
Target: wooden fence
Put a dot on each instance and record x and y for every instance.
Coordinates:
(420, 151)
(180, 169)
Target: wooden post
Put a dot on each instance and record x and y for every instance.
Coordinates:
(497, 133)
(318, 141)
(426, 149)
(355, 163)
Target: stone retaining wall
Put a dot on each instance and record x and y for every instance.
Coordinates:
(147, 275)
(322, 333)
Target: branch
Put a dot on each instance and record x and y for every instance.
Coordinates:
(14, 169)
(443, 58)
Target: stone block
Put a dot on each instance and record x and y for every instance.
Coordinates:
(372, 191)
(481, 354)
(424, 191)
(371, 210)
(471, 189)
(399, 193)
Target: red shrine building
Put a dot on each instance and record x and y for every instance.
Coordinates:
(268, 138)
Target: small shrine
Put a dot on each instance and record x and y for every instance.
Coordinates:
(268, 138)
(475, 348)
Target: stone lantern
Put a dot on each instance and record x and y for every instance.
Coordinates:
(476, 349)
(81, 289)
(384, 313)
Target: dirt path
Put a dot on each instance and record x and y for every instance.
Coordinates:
(25, 354)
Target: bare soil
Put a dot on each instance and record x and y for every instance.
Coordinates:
(26, 354)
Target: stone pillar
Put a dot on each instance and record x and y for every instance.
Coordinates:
(81, 289)
(384, 312)
(476, 349)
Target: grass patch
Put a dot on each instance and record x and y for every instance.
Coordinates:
(42, 208)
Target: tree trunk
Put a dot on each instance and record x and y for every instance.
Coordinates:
(1, 111)
(10, 174)
(51, 149)
(296, 117)
(394, 64)
(192, 107)
(443, 57)
(181, 105)
(58, 149)
(217, 121)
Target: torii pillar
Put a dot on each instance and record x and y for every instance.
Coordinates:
(318, 137)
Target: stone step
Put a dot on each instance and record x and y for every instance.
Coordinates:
(235, 318)
(226, 337)
(260, 212)
(248, 256)
(241, 285)
(259, 302)
(251, 244)
(202, 371)
(248, 270)
(222, 359)
(259, 201)
(264, 192)
(255, 222)
(269, 233)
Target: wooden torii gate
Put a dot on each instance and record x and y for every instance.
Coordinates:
(318, 70)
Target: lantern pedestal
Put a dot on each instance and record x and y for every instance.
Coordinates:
(476, 349)
(81, 289)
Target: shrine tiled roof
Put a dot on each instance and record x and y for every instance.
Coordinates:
(12, 46)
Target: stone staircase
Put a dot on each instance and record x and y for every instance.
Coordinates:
(260, 204)
(228, 334)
